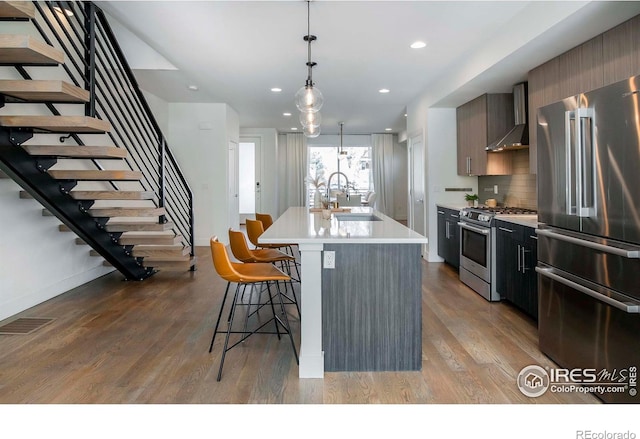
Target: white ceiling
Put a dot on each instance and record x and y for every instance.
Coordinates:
(236, 51)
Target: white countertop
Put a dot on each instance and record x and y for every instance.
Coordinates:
(298, 226)
(453, 206)
(523, 220)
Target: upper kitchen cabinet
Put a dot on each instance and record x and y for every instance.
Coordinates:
(621, 51)
(479, 123)
(607, 58)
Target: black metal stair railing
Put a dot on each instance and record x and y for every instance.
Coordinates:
(95, 62)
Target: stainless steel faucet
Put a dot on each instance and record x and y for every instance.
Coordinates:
(329, 183)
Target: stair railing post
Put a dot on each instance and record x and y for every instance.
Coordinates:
(90, 67)
(192, 241)
(161, 177)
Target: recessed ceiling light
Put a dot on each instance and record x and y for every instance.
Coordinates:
(418, 45)
(192, 87)
(384, 90)
(276, 90)
(286, 114)
(405, 114)
(294, 128)
(388, 129)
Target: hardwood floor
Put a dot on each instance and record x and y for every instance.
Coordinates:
(147, 342)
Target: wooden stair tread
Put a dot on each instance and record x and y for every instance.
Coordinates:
(57, 124)
(25, 49)
(112, 195)
(3, 175)
(97, 152)
(126, 211)
(137, 226)
(25, 195)
(20, 9)
(161, 252)
(95, 175)
(150, 239)
(171, 265)
(43, 91)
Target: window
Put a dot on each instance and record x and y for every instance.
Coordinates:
(355, 164)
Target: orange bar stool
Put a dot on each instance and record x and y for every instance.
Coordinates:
(244, 275)
(255, 229)
(243, 253)
(265, 219)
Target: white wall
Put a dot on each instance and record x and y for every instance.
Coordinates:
(199, 136)
(268, 167)
(440, 163)
(38, 261)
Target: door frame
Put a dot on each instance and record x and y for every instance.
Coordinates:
(257, 141)
(410, 174)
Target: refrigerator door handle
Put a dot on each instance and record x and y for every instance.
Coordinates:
(584, 163)
(628, 307)
(628, 251)
(569, 116)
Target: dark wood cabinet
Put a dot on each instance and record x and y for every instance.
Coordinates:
(448, 236)
(621, 51)
(607, 58)
(479, 123)
(516, 254)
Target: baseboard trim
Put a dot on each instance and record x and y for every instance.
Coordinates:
(26, 301)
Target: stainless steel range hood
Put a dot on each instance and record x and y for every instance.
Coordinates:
(518, 137)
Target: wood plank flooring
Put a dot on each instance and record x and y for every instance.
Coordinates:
(147, 342)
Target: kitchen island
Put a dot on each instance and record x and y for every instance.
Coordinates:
(365, 314)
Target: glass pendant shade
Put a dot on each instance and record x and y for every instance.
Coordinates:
(309, 118)
(309, 98)
(311, 131)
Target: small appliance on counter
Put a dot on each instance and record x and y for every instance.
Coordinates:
(491, 202)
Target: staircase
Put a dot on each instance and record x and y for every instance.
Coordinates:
(108, 174)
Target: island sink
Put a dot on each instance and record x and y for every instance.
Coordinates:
(357, 217)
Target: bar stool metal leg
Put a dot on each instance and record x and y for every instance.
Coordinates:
(215, 331)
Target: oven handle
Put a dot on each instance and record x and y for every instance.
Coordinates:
(474, 229)
(628, 307)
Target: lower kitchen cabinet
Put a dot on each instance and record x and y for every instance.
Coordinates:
(516, 254)
(449, 235)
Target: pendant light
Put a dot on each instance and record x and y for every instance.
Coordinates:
(342, 151)
(308, 118)
(309, 99)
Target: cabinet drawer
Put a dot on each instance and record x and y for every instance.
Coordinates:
(515, 231)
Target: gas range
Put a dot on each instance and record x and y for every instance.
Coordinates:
(483, 215)
(478, 261)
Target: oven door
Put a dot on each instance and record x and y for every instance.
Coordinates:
(475, 250)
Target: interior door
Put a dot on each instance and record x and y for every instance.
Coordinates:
(249, 157)
(233, 207)
(416, 185)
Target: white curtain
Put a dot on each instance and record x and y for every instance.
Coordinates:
(382, 162)
(294, 191)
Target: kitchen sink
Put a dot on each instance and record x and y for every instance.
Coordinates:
(357, 217)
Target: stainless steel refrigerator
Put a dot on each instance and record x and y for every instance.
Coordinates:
(589, 244)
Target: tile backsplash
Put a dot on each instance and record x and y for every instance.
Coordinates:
(518, 190)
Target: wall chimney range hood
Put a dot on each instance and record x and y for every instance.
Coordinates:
(518, 137)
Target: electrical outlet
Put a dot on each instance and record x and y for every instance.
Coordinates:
(329, 259)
